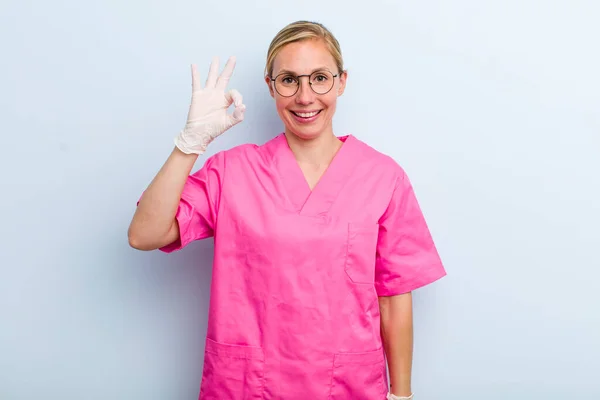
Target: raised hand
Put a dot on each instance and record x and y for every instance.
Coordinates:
(207, 116)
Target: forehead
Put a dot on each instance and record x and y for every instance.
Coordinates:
(304, 57)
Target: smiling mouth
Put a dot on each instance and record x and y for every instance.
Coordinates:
(306, 114)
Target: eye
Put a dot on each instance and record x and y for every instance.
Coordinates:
(321, 78)
(287, 80)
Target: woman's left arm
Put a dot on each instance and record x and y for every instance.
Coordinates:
(397, 335)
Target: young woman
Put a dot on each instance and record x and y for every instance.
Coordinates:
(319, 238)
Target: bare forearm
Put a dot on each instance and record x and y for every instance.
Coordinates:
(156, 210)
(397, 336)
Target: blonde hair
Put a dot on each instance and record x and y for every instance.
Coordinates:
(303, 30)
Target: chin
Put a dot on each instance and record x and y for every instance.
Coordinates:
(304, 132)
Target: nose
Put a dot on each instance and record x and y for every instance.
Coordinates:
(305, 94)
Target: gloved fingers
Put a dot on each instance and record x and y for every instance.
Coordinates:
(195, 78)
(239, 111)
(213, 71)
(237, 116)
(226, 74)
(235, 97)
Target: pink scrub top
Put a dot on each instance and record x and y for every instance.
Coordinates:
(294, 310)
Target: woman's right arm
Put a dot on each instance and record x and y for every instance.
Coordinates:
(154, 224)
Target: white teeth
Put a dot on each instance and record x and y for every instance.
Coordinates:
(307, 115)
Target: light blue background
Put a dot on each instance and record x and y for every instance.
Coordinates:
(492, 107)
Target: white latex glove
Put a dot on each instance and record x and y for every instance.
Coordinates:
(394, 397)
(207, 116)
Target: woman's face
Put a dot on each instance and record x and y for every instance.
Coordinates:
(306, 114)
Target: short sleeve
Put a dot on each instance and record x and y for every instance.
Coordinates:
(407, 258)
(199, 203)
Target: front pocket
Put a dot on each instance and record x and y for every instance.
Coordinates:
(359, 376)
(361, 251)
(232, 372)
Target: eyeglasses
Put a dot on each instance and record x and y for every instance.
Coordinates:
(287, 84)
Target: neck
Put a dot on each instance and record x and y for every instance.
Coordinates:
(317, 151)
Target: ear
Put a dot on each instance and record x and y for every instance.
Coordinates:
(268, 81)
(342, 85)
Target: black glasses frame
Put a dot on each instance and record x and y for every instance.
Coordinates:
(273, 79)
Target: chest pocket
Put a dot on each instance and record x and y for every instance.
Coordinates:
(361, 251)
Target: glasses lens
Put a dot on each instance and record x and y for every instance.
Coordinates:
(286, 85)
(321, 81)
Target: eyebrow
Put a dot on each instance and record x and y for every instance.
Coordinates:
(287, 71)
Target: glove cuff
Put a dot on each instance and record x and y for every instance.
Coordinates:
(394, 397)
(190, 143)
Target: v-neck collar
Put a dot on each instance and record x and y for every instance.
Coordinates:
(319, 200)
